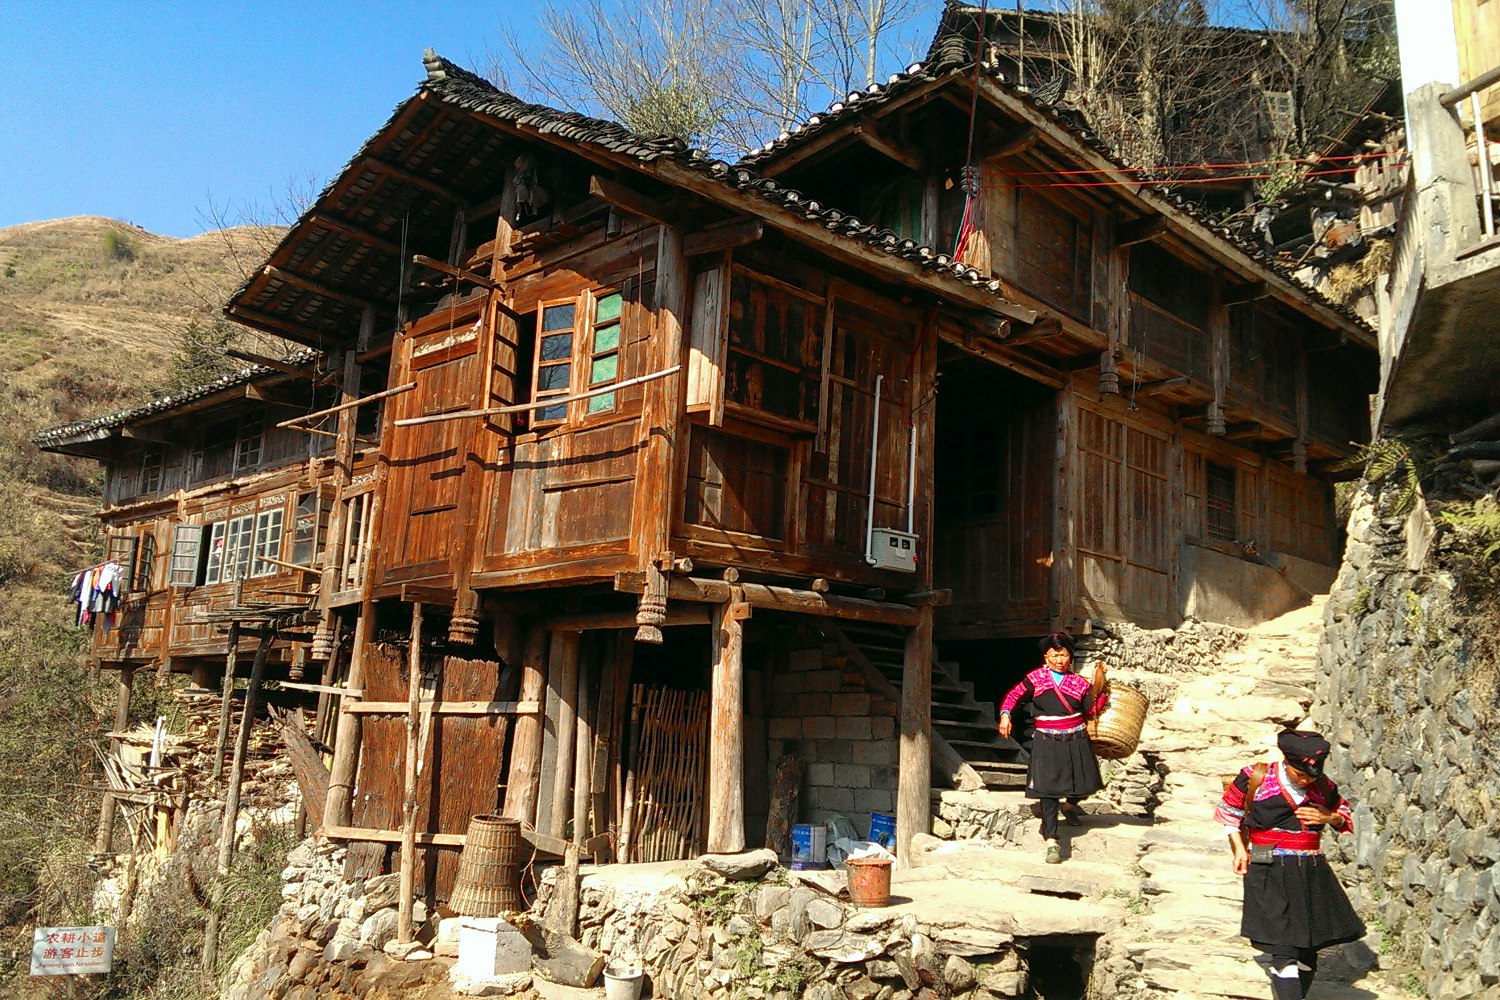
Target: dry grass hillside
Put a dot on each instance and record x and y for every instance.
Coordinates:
(93, 314)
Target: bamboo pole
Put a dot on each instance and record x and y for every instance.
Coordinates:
(226, 689)
(409, 780)
(526, 747)
(230, 818)
(726, 748)
(107, 805)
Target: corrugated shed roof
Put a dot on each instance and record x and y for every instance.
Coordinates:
(97, 428)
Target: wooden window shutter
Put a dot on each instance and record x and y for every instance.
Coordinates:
(187, 543)
(706, 344)
(121, 549)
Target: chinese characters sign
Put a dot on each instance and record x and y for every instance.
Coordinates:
(63, 951)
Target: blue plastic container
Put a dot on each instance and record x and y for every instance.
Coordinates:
(883, 830)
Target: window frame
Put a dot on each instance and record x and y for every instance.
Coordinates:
(263, 545)
(583, 354)
(1215, 510)
(185, 568)
(145, 562)
(153, 468)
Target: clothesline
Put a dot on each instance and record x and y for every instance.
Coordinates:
(96, 591)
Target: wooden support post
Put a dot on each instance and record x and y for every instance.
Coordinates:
(583, 756)
(409, 779)
(226, 691)
(107, 805)
(339, 808)
(563, 677)
(726, 738)
(1218, 333)
(231, 814)
(914, 780)
(526, 746)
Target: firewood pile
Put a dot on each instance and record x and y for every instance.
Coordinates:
(267, 769)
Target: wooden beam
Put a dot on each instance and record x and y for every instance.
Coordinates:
(563, 678)
(541, 842)
(1162, 385)
(526, 745)
(315, 287)
(488, 708)
(419, 180)
(352, 404)
(1247, 293)
(907, 156)
(334, 224)
(623, 196)
(454, 271)
(339, 806)
(723, 237)
(726, 737)
(1144, 230)
(232, 648)
(408, 867)
(265, 362)
(1011, 145)
(914, 776)
(230, 818)
(701, 615)
(773, 598)
(272, 324)
(1042, 329)
(1242, 429)
(104, 841)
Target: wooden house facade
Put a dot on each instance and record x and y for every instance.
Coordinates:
(588, 418)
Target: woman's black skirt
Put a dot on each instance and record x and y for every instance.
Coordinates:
(1062, 767)
(1296, 900)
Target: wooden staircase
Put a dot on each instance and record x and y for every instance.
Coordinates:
(967, 752)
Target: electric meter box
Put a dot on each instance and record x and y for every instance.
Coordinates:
(892, 549)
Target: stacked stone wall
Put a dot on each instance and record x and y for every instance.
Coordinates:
(1396, 695)
(823, 711)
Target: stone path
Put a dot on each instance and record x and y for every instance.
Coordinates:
(1180, 935)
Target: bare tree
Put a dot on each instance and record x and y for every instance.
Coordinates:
(726, 74)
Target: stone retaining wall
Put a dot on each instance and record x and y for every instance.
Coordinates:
(1396, 696)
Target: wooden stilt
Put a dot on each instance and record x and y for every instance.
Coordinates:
(340, 807)
(409, 780)
(726, 755)
(232, 804)
(226, 690)
(583, 755)
(565, 679)
(526, 747)
(107, 805)
(914, 780)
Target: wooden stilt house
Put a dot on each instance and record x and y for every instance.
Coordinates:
(615, 472)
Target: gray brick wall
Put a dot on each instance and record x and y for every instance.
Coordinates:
(823, 712)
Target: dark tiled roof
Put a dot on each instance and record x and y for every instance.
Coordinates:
(951, 55)
(96, 428)
(460, 87)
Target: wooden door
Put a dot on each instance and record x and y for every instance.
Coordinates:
(996, 462)
(444, 358)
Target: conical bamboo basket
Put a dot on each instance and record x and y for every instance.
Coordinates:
(1116, 732)
(489, 868)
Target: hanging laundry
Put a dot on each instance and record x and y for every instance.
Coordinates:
(96, 591)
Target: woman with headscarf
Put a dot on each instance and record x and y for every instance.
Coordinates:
(1275, 815)
(1063, 765)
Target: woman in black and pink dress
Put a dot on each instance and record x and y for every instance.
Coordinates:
(1063, 765)
(1275, 815)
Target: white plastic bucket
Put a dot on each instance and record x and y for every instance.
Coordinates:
(622, 982)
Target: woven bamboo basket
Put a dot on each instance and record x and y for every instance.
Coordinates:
(1116, 732)
(489, 868)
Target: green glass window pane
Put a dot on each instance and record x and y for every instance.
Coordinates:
(557, 347)
(558, 318)
(605, 369)
(552, 413)
(607, 308)
(553, 377)
(598, 404)
(607, 339)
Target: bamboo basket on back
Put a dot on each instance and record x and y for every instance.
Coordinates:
(1116, 732)
(489, 869)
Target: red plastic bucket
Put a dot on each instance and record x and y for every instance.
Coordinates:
(869, 882)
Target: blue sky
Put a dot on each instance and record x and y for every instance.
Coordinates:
(157, 111)
(151, 111)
